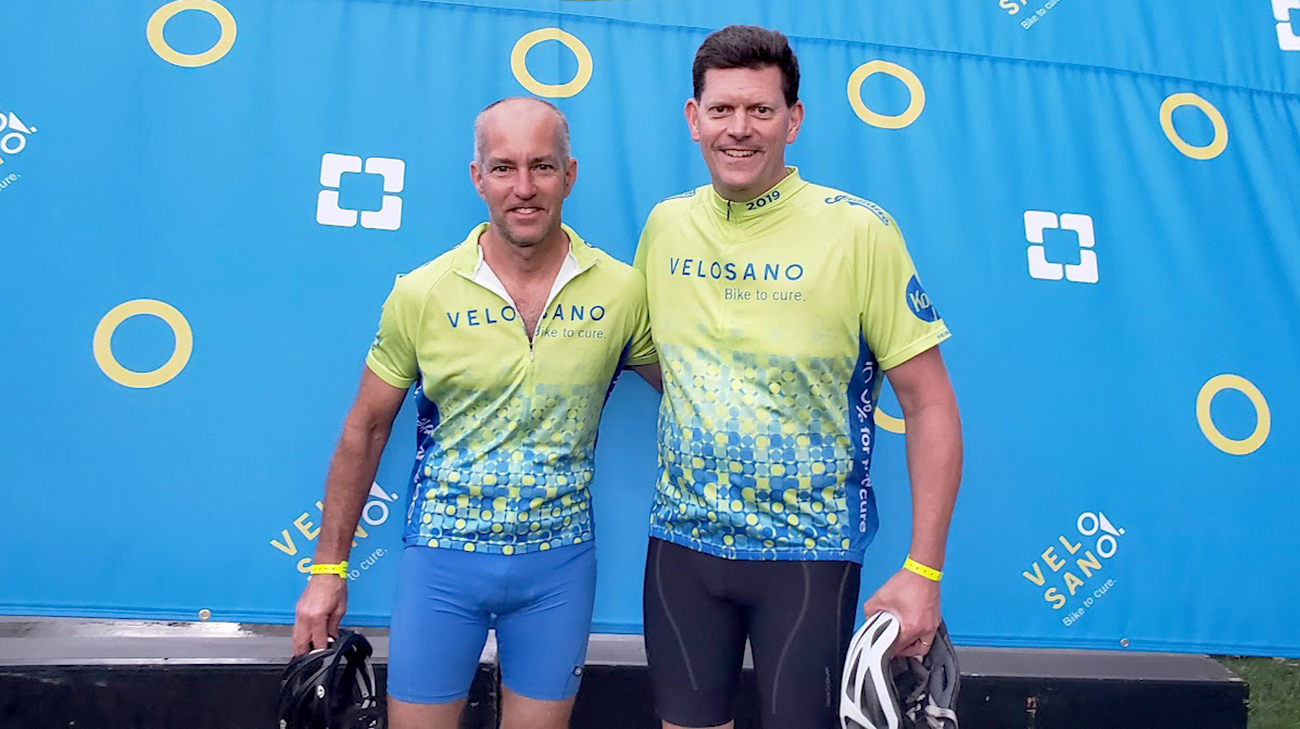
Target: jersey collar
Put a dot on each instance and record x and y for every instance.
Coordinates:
(470, 263)
(760, 206)
(469, 256)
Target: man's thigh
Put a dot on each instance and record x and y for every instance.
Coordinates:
(439, 624)
(694, 634)
(521, 712)
(543, 628)
(800, 620)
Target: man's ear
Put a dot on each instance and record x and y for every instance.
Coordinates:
(476, 179)
(692, 112)
(570, 175)
(796, 121)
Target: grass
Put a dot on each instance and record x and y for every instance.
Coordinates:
(1274, 690)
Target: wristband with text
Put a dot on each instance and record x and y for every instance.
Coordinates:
(340, 569)
(928, 573)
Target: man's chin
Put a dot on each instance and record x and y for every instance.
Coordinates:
(526, 238)
(736, 188)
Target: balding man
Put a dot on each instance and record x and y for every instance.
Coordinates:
(512, 338)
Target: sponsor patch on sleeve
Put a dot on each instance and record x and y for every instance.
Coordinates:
(919, 302)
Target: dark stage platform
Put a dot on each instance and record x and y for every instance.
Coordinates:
(107, 674)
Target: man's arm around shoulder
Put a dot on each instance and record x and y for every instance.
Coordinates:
(352, 471)
(651, 374)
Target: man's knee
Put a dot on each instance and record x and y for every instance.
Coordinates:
(520, 712)
(408, 715)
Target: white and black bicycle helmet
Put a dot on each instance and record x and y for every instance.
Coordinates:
(878, 692)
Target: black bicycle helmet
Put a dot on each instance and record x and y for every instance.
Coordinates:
(331, 687)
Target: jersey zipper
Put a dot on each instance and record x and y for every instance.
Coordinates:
(727, 244)
(555, 294)
(505, 296)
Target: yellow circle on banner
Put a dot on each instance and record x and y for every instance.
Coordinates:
(889, 422)
(1263, 421)
(1209, 151)
(154, 32)
(861, 73)
(103, 343)
(518, 63)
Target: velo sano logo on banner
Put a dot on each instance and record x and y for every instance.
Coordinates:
(1028, 12)
(13, 140)
(1071, 571)
(295, 541)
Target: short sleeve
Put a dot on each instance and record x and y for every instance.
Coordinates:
(642, 347)
(648, 232)
(392, 355)
(898, 319)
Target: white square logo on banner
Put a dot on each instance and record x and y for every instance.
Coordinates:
(330, 212)
(1085, 271)
(1287, 39)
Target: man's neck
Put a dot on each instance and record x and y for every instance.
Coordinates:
(527, 272)
(518, 262)
(749, 194)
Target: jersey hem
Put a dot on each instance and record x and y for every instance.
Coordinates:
(929, 340)
(415, 540)
(758, 555)
(380, 371)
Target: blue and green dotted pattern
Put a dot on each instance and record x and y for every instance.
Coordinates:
(754, 464)
(475, 491)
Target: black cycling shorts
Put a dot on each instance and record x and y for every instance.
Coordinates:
(699, 609)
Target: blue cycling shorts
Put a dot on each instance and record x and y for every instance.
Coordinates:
(539, 603)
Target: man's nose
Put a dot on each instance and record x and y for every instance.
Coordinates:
(739, 125)
(525, 186)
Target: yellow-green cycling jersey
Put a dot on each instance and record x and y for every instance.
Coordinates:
(507, 426)
(774, 319)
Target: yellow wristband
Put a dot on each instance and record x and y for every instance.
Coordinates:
(340, 569)
(928, 573)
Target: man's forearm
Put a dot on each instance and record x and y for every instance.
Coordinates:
(934, 459)
(351, 472)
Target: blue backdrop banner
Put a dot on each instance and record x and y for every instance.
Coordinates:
(203, 204)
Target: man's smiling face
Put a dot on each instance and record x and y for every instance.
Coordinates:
(523, 174)
(743, 125)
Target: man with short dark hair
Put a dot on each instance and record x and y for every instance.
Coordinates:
(776, 305)
(513, 338)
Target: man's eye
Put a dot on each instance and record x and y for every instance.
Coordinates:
(500, 169)
(764, 110)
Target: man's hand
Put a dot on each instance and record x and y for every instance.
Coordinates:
(319, 612)
(914, 600)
